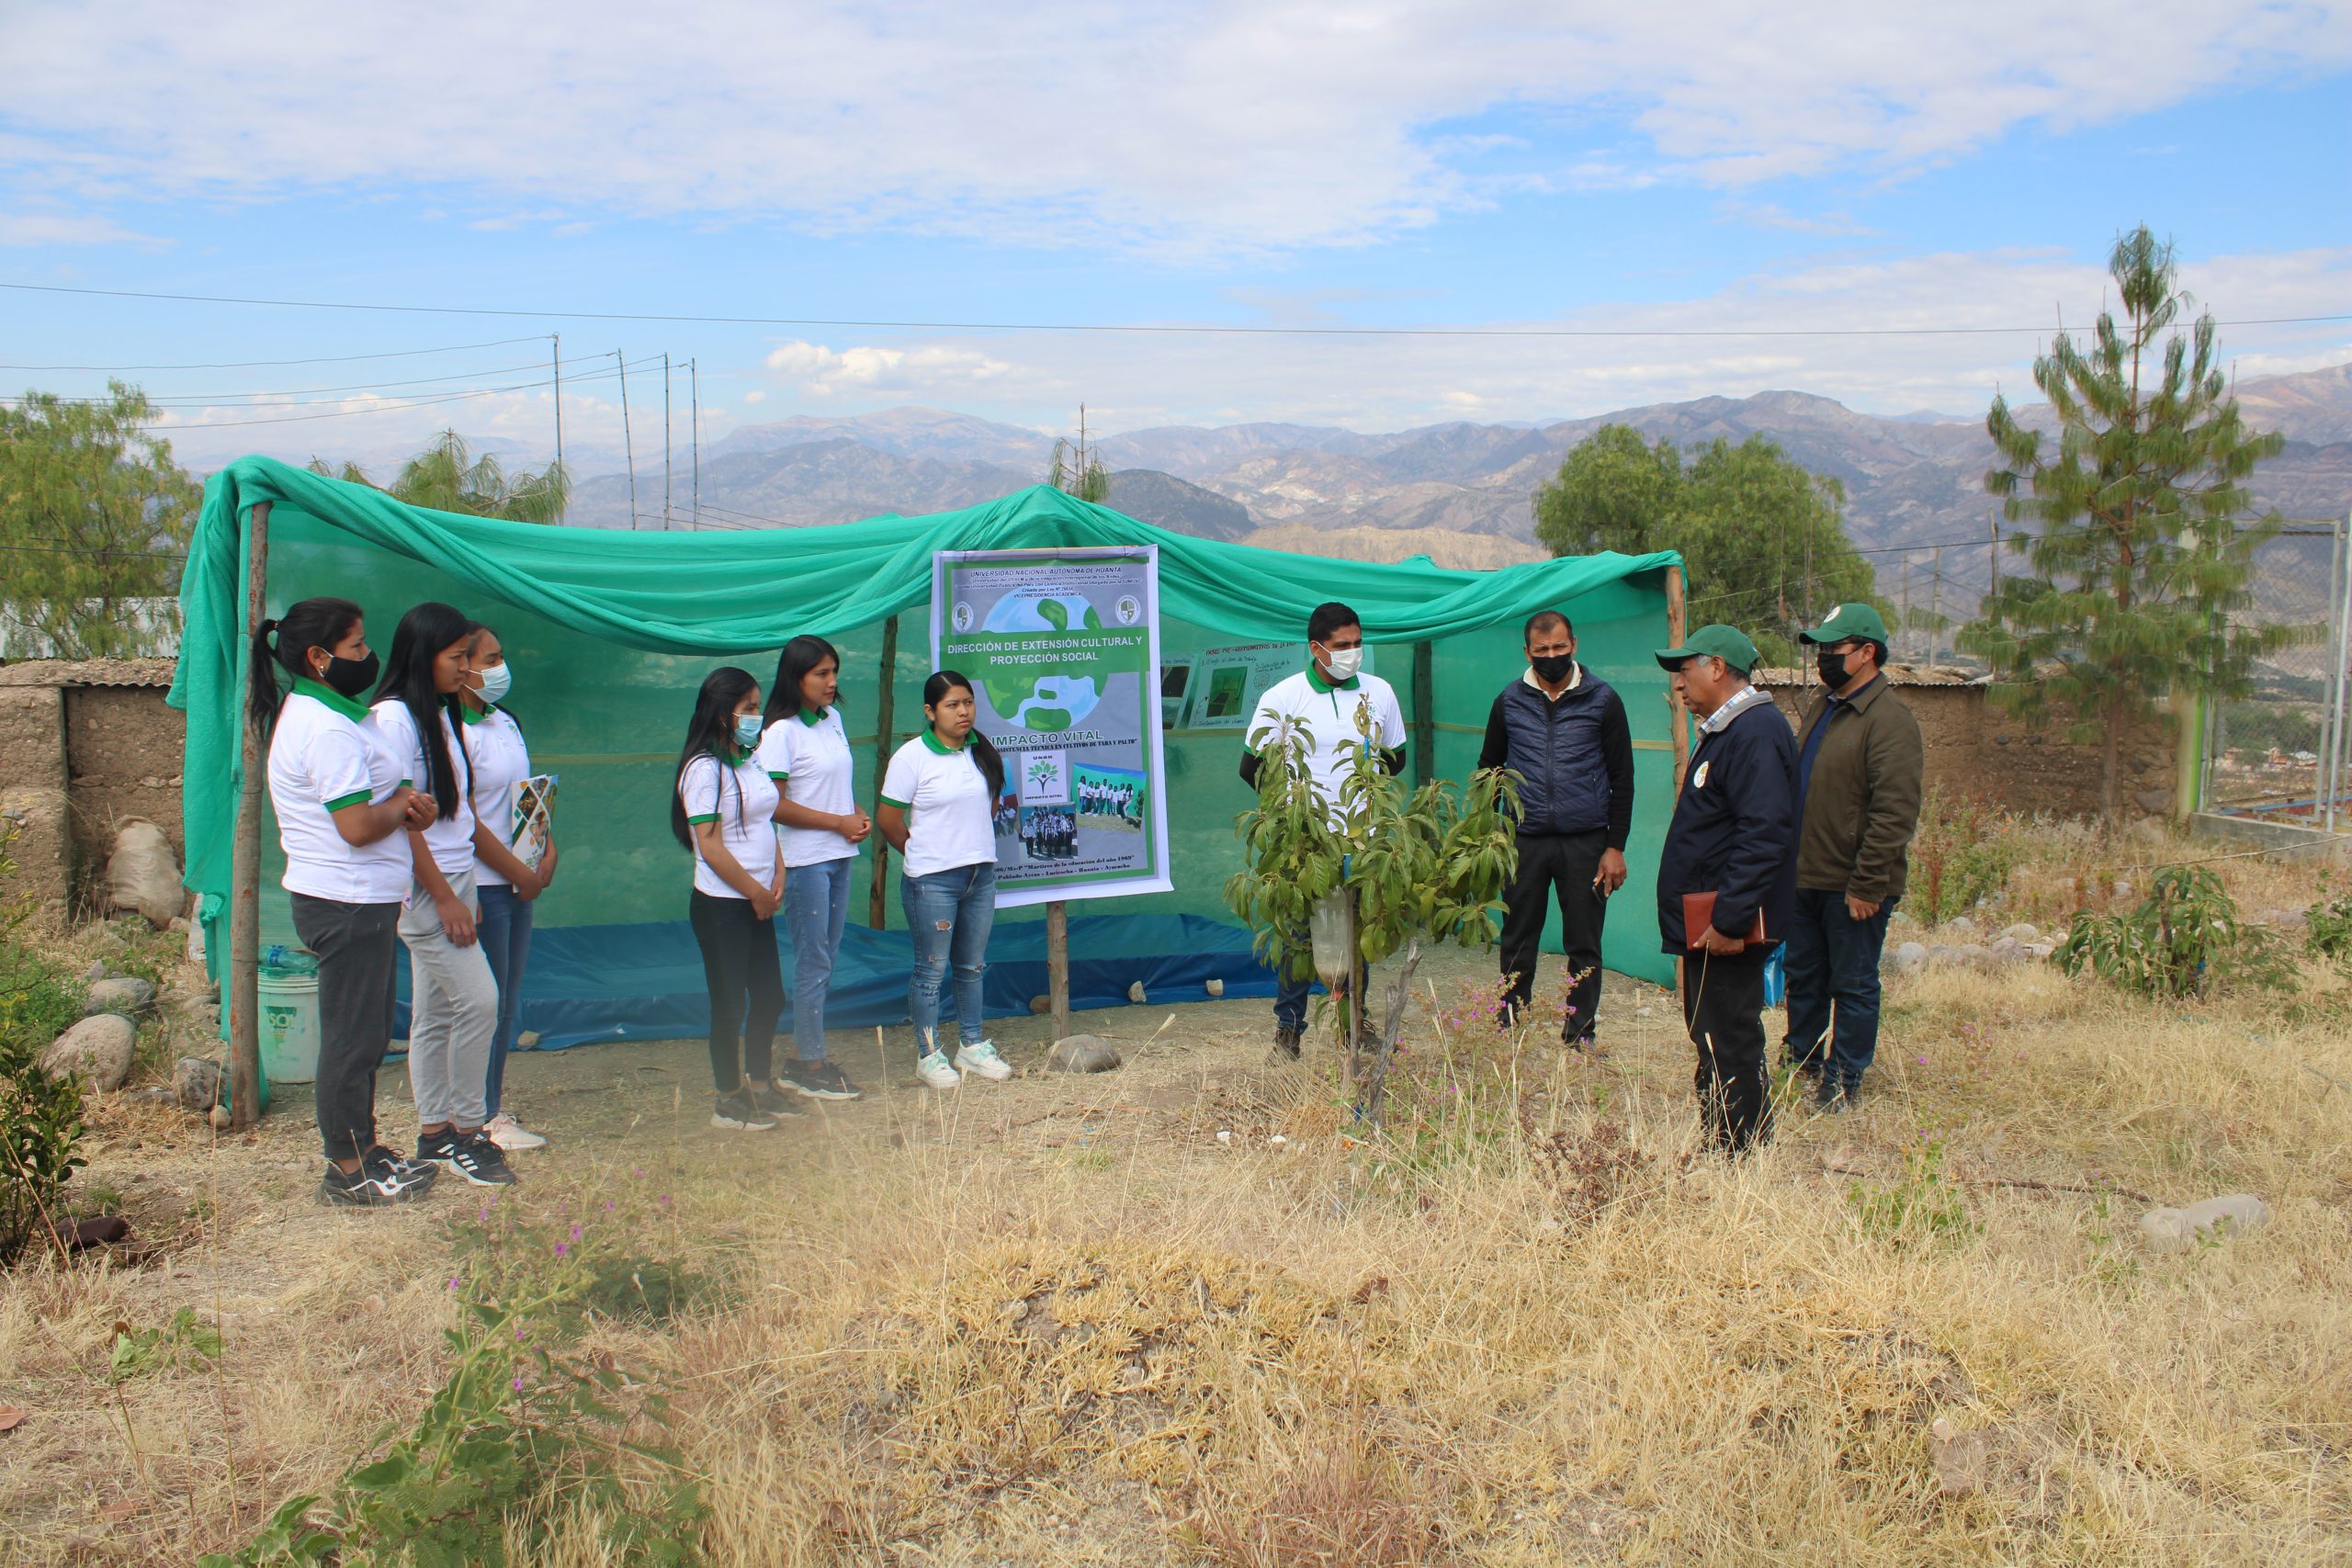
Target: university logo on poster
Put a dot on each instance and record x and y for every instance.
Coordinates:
(1062, 648)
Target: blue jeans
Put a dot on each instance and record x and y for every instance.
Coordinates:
(503, 929)
(1831, 958)
(815, 906)
(949, 914)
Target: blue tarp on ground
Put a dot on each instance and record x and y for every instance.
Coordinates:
(645, 982)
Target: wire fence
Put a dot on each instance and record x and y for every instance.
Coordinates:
(2281, 752)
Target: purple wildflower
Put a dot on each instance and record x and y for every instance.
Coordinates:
(575, 1233)
(518, 1382)
(561, 1247)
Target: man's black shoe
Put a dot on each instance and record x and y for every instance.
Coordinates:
(819, 1081)
(1286, 1043)
(370, 1187)
(1833, 1099)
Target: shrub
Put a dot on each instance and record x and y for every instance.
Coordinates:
(2328, 932)
(1923, 1206)
(2183, 939)
(1963, 851)
(40, 1115)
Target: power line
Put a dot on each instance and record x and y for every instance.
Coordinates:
(2038, 330)
(267, 364)
(200, 399)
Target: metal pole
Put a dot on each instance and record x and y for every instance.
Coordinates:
(2343, 679)
(244, 883)
(694, 395)
(557, 339)
(875, 905)
(629, 447)
(665, 439)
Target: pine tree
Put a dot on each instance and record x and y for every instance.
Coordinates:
(2137, 555)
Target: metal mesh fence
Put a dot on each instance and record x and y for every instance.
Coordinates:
(2281, 752)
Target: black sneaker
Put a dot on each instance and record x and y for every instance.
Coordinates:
(775, 1102)
(380, 1158)
(1286, 1043)
(370, 1186)
(434, 1148)
(819, 1081)
(1832, 1099)
(739, 1111)
(480, 1161)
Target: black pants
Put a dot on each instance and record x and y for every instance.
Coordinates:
(746, 980)
(355, 944)
(1723, 1007)
(1561, 864)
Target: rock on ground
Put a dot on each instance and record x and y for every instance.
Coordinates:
(99, 1049)
(143, 875)
(2177, 1229)
(1909, 958)
(127, 995)
(1082, 1053)
(2023, 933)
(197, 1084)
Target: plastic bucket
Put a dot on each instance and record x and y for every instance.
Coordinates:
(290, 1026)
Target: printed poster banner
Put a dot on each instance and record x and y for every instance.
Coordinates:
(1062, 648)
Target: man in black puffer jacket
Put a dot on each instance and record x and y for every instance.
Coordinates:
(1562, 729)
(1733, 835)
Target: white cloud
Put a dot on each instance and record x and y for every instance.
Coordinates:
(756, 395)
(824, 373)
(68, 229)
(1217, 128)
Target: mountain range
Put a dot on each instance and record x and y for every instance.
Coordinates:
(1459, 493)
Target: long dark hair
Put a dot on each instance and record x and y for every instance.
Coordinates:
(984, 755)
(282, 644)
(423, 632)
(711, 733)
(801, 655)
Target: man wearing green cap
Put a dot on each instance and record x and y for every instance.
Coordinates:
(1859, 767)
(1734, 838)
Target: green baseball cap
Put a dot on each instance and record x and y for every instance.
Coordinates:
(1727, 643)
(1856, 620)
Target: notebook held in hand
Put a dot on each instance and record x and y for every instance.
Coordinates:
(1699, 913)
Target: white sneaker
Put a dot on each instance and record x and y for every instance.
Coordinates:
(983, 1060)
(935, 1071)
(510, 1134)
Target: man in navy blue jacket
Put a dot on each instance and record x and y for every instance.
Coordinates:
(1733, 835)
(1562, 729)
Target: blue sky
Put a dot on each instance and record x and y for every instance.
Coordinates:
(1714, 166)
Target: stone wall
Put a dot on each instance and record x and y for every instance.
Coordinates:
(82, 746)
(1975, 750)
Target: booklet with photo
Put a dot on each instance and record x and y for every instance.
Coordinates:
(534, 812)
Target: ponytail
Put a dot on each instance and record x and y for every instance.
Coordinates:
(984, 756)
(283, 644)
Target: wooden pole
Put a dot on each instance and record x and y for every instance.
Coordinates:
(875, 905)
(1057, 965)
(1424, 712)
(1674, 634)
(244, 884)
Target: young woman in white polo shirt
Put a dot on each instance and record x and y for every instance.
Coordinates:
(507, 888)
(804, 749)
(938, 808)
(453, 997)
(342, 802)
(724, 810)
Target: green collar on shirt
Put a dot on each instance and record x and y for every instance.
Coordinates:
(1314, 679)
(941, 748)
(354, 711)
(468, 713)
(812, 717)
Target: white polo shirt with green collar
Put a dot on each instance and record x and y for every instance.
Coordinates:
(1329, 716)
(325, 753)
(808, 757)
(950, 812)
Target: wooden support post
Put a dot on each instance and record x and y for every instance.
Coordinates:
(1675, 632)
(244, 855)
(875, 904)
(1424, 712)
(1057, 965)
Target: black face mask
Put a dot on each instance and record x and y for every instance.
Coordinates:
(1833, 669)
(350, 676)
(1553, 667)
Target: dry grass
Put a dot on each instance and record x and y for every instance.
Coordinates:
(1062, 1321)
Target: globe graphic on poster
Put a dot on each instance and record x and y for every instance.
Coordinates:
(1039, 698)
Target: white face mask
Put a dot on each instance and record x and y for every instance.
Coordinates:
(496, 680)
(1343, 663)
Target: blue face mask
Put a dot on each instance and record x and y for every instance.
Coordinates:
(747, 729)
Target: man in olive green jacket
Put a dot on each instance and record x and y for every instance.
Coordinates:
(1859, 766)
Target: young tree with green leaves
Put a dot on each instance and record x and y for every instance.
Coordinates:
(93, 513)
(1401, 867)
(447, 477)
(2137, 556)
(1761, 538)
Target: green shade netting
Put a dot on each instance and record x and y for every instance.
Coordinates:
(610, 632)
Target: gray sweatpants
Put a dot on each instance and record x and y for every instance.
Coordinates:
(453, 1013)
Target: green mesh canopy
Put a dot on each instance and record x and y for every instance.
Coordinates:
(610, 632)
